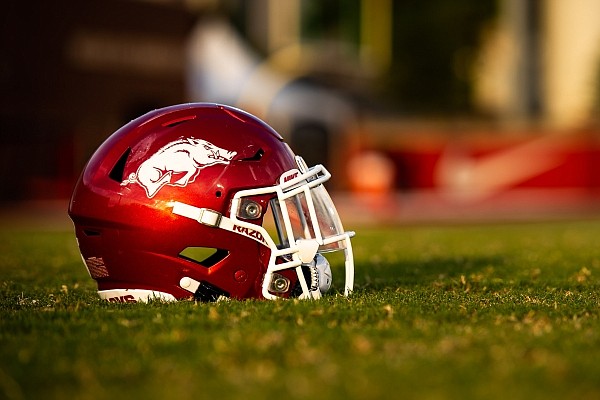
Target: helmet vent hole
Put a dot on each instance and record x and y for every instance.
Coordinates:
(89, 232)
(218, 193)
(116, 173)
(256, 157)
(204, 256)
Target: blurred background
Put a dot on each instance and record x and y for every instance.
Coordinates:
(423, 111)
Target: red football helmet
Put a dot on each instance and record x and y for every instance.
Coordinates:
(172, 205)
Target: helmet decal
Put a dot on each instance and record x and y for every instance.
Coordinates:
(177, 164)
(96, 267)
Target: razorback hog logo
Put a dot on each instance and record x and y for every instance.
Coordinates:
(178, 164)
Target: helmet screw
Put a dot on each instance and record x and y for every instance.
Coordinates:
(240, 275)
(252, 210)
(280, 284)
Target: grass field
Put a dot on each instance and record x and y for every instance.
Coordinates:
(469, 312)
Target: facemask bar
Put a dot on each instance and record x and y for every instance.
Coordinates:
(297, 188)
(309, 214)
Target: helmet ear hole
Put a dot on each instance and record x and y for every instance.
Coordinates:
(116, 173)
(204, 256)
(256, 157)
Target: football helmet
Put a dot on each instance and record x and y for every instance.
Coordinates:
(205, 201)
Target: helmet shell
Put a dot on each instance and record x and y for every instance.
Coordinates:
(199, 154)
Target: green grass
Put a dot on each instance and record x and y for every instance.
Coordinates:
(488, 311)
